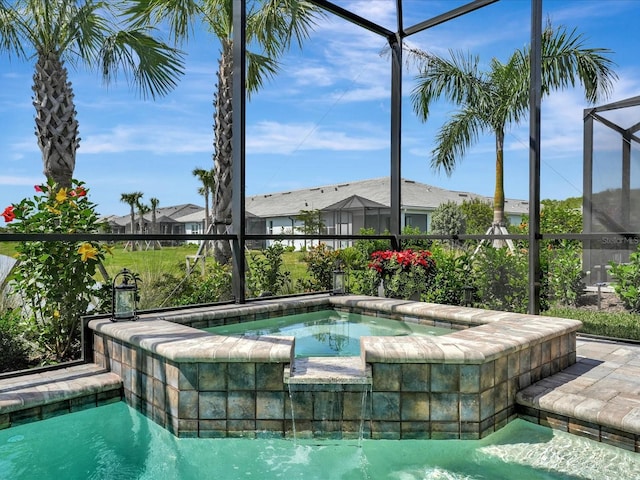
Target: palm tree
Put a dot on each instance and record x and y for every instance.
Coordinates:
(142, 209)
(154, 202)
(491, 100)
(78, 32)
(208, 185)
(131, 199)
(271, 26)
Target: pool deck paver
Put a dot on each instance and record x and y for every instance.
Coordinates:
(45, 394)
(598, 396)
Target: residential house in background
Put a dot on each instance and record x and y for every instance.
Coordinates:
(344, 209)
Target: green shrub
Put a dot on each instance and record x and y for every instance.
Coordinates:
(621, 325)
(501, 279)
(452, 275)
(564, 277)
(627, 281)
(448, 219)
(321, 262)
(265, 275)
(213, 286)
(14, 351)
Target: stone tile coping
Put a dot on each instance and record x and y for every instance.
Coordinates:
(494, 334)
(328, 370)
(28, 391)
(601, 388)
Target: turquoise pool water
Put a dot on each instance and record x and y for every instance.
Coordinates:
(116, 442)
(327, 333)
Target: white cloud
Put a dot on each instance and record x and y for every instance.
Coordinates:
(274, 137)
(160, 139)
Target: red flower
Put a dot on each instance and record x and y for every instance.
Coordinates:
(78, 192)
(8, 214)
(38, 188)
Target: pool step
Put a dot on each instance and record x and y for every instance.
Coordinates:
(328, 370)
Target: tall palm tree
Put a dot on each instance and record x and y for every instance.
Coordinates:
(491, 100)
(208, 185)
(271, 27)
(154, 202)
(55, 32)
(131, 199)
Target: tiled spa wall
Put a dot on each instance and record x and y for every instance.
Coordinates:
(406, 398)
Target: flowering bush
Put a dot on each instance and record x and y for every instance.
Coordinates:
(56, 279)
(404, 273)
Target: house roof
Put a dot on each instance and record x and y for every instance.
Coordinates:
(163, 215)
(375, 191)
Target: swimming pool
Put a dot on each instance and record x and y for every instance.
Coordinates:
(328, 332)
(117, 442)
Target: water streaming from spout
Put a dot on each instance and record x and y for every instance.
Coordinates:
(293, 417)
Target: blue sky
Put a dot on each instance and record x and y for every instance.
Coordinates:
(325, 118)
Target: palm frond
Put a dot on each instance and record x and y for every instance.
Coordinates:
(156, 67)
(453, 139)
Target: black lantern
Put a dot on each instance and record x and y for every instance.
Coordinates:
(468, 295)
(124, 300)
(338, 282)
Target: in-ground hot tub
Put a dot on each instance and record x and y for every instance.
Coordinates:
(459, 385)
(327, 333)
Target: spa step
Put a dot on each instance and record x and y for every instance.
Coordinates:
(328, 370)
(49, 393)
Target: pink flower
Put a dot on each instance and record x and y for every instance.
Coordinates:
(38, 188)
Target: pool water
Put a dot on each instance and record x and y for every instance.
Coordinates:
(116, 442)
(328, 332)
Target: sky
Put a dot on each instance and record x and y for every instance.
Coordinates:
(325, 118)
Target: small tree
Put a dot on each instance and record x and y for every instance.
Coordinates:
(448, 219)
(312, 223)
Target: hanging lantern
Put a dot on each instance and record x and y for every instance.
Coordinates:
(124, 305)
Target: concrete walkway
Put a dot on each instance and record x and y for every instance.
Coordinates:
(597, 397)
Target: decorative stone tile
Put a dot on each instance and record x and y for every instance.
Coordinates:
(212, 406)
(188, 404)
(385, 430)
(470, 407)
(414, 406)
(415, 430)
(487, 404)
(212, 376)
(415, 377)
(487, 375)
(386, 376)
(356, 405)
(53, 410)
(159, 395)
(269, 376)
(82, 403)
(269, 405)
(300, 404)
(513, 364)
(444, 407)
(385, 406)
(327, 406)
(187, 428)
(269, 429)
(212, 428)
(469, 378)
(501, 396)
(241, 376)
(445, 378)
(241, 405)
(445, 430)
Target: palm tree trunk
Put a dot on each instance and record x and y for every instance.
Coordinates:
(498, 197)
(56, 123)
(223, 153)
